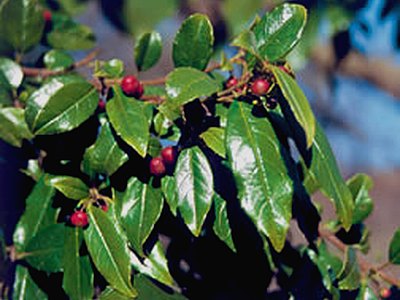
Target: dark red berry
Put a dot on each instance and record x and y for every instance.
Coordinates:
(231, 82)
(168, 155)
(79, 219)
(385, 293)
(157, 167)
(47, 16)
(132, 87)
(101, 105)
(260, 86)
(104, 207)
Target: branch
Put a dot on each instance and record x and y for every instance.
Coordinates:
(43, 72)
(365, 266)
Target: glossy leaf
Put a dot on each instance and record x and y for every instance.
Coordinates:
(279, 31)
(221, 224)
(298, 104)
(71, 187)
(78, 273)
(11, 71)
(114, 68)
(247, 41)
(13, 128)
(194, 180)
(214, 138)
(58, 60)
(139, 208)
(193, 43)
(148, 290)
(38, 214)
(148, 50)
(24, 286)
(105, 156)
(44, 251)
(264, 186)
(183, 85)
(130, 120)
(324, 169)
(68, 35)
(394, 248)
(154, 266)
(57, 107)
(21, 23)
(359, 186)
(169, 189)
(109, 251)
(33, 170)
(349, 276)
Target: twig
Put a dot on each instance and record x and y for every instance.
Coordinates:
(42, 72)
(365, 266)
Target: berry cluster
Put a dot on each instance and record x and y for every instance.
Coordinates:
(158, 165)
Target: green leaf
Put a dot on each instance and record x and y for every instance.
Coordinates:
(58, 60)
(11, 71)
(109, 251)
(38, 214)
(13, 128)
(44, 251)
(155, 147)
(298, 103)
(113, 68)
(110, 294)
(21, 23)
(193, 43)
(169, 188)
(247, 41)
(78, 272)
(155, 265)
(279, 31)
(194, 180)
(221, 224)
(137, 18)
(183, 85)
(148, 50)
(349, 276)
(214, 138)
(139, 207)
(33, 170)
(264, 186)
(105, 156)
(24, 286)
(68, 35)
(59, 107)
(148, 290)
(359, 186)
(325, 170)
(72, 7)
(394, 248)
(71, 187)
(130, 120)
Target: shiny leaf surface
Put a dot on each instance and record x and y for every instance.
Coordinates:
(148, 290)
(394, 248)
(24, 286)
(148, 50)
(359, 186)
(194, 180)
(11, 71)
(169, 189)
(71, 187)
(221, 224)
(264, 186)
(214, 138)
(58, 60)
(349, 276)
(13, 128)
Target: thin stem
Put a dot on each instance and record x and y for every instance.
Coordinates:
(42, 72)
(365, 266)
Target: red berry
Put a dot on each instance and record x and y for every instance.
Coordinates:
(104, 207)
(260, 86)
(79, 219)
(47, 16)
(168, 155)
(157, 166)
(231, 82)
(132, 87)
(101, 105)
(385, 293)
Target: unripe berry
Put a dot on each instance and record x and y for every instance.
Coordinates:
(260, 86)
(132, 87)
(168, 155)
(231, 82)
(79, 219)
(47, 16)
(157, 167)
(385, 293)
